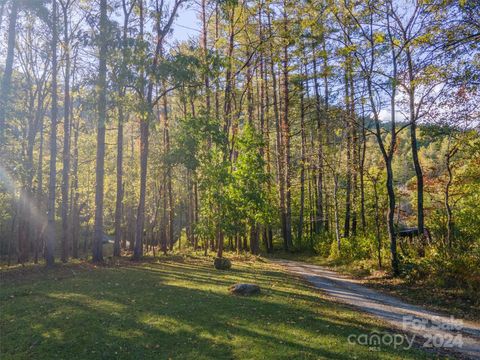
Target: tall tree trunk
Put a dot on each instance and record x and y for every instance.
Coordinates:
(220, 243)
(23, 246)
(319, 222)
(354, 157)
(144, 132)
(414, 145)
(310, 204)
(362, 174)
(419, 176)
(262, 95)
(265, 123)
(66, 139)
(278, 139)
(40, 227)
(217, 85)
(303, 157)
(254, 236)
(326, 110)
(336, 210)
(227, 107)
(450, 223)
(189, 208)
(286, 134)
(145, 119)
(312, 186)
(102, 115)
(195, 211)
(205, 55)
(388, 163)
(387, 157)
(390, 218)
(121, 119)
(348, 120)
(119, 195)
(164, 222)
(377, 224)
(7, 74)
(25, 215)
(169, 192)
(138, 239)
(51, 231)
(76, 195)
(171, 212)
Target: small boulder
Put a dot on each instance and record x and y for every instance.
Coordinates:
(244, 289)
(222, 263)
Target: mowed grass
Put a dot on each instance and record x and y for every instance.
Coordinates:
(176, 308)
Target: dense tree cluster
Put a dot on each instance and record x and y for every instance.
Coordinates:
(329, 125)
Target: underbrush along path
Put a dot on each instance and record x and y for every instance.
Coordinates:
(432, 328)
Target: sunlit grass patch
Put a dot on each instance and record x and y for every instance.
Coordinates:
(179, 309)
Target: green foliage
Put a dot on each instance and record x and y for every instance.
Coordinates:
(221, 105)
(323, 244)
(213, 178)
(446, 269)
(353, 248)
(180, 67)
(249, 189)
(193, 137)
(231, 199)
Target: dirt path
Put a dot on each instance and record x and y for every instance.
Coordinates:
(429, 329)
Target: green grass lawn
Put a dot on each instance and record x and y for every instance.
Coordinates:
(176, 308)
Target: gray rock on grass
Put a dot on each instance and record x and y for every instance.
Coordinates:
(244, 289)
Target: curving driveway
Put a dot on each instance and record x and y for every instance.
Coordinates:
(428, 328)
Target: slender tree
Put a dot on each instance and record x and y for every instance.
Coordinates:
(51, 231)
(102, 118)
(66, 133)
(7, 74)
(127, 10)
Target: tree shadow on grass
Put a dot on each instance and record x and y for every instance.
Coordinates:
(140, 313)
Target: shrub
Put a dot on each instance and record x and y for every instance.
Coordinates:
(414, 270)
(352, 248)
(458, 270)
(446, 269)
(322, 244)
(222, 263)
